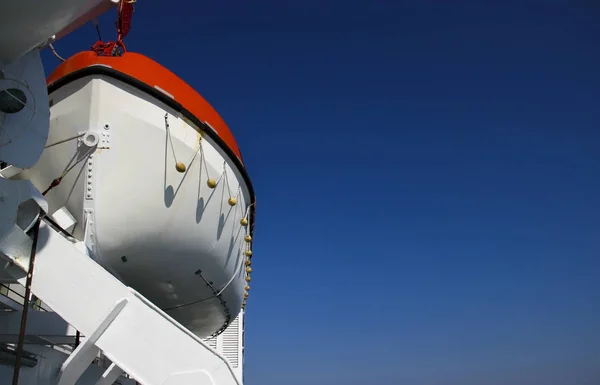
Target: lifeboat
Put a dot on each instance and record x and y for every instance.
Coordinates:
(145, 172)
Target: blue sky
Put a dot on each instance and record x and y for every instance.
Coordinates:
(427, 181)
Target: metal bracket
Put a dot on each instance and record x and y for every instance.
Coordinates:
(104, 140)
(89, 236)
(105, 137)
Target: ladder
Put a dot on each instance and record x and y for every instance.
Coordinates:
(138, 338)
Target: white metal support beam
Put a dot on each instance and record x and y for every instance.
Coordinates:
(136, 335)
(77, 363)
(110, 375)
(85, 353)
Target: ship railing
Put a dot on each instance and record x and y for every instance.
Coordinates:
(7, 291)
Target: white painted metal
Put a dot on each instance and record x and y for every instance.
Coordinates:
(49, 362)
(162, 232)
(133, 333)
(9, 172)
(27, 24)
(46, 327)
(64, 219)
(230, 344)
(110, 375)
(23, 134)
(20, 205)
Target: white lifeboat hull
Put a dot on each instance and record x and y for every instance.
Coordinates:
(163, 232)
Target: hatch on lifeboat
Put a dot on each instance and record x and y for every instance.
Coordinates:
(145, 171)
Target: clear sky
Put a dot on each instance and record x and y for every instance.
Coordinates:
(427, 175)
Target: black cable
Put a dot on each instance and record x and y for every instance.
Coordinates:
(97, 29)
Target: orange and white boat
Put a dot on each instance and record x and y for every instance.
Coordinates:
(127, 218)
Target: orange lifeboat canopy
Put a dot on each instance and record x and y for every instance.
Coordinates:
(151, 77)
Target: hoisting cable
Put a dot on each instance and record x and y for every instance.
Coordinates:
(64, 141)
(97, 29)
(56, 182)
(123, 24)
(21, 341)
(56, 53)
